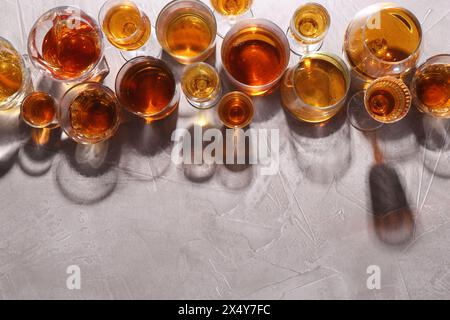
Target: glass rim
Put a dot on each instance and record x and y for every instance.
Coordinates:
(95, 85)
(25, 74)
(401, 85)
(125, 68)
(413, 86)
(30, 41)
(391, 5)
(197, 2)
(193, 66)
(307, 39)
(247, 98)
(267, 25)
(29, 95)
(102, 14)
(343, 67)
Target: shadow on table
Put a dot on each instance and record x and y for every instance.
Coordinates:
(37, 154)
(392, 216)
(87, 174)
(323, 150)
(12, 137)
(433, 135)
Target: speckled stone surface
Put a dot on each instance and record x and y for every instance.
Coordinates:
(139, 226)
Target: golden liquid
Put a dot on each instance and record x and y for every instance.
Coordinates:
(231, 7)
(70, 52)
(93, 114)
(147, 90)
(433, 88)
(188, 35)
(201, 82)
(235, 111)
(397, 39)
(39, 109)
(125, 28)
(319, 83)
(311, 21)
(255, 57)
(10, 74)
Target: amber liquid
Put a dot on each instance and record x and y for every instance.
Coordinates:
(235, 111)
(201, 82)
(10, 74)
(231, 7)
(319, 83)
(387, 99)
(188, 35)
(398, 38)
(39, 109)
(93, 114)
(381, 103)
(147, 89)
(311, 21)
(70, 52)
(433, 88)
(125, 28)
(255, 57)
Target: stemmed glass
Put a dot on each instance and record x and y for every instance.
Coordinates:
(382, 40)
(308, 28)
(228, 12)
(386, 100)
(128, 28)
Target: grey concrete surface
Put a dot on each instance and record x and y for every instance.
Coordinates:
(140, 227)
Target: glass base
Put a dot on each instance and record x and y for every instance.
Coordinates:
(151, 48)
(358, 116)
(225, 23)
(299, 48)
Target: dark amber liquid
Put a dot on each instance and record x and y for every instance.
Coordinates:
(93, 113)
(433, 87)
(255, 59)
(71, 51)
(147, 89)
(39, 109)
(382, 103)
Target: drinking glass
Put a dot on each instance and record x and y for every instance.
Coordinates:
(383, 39)
(228, 12)
(146, 87)
(201, 85)
(308, 28)
(386, 100)
(66, 44)
(186, 30)
(431, 86)
(89, 113)
(128, 28)
(15, 81)
(315, 90)
(236, 110)
(255, 54)
(38, 110)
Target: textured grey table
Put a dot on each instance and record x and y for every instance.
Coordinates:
(139, 226)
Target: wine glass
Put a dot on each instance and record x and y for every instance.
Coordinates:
(308, 28)
(128, 28)
(228, 12)
(386, 100)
